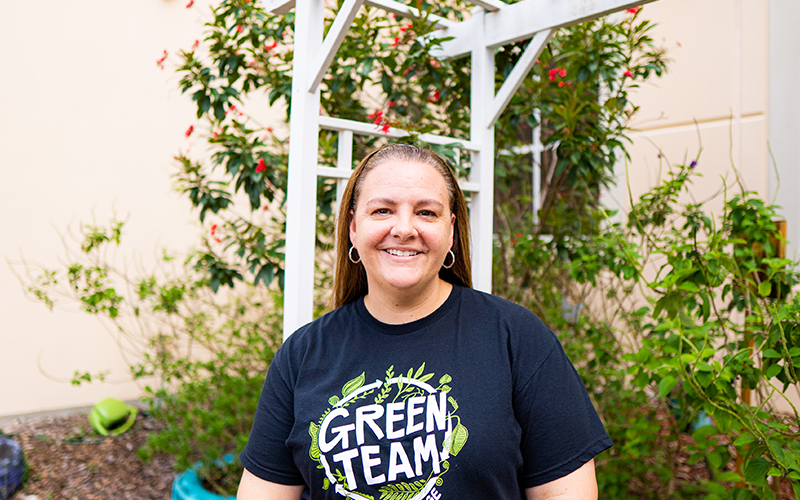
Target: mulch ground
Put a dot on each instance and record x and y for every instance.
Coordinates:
(67, 460)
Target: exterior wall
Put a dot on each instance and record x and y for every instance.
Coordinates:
(89, 128)
(784, 113)
(730, 94)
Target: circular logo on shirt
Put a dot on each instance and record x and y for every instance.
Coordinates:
(390, 439)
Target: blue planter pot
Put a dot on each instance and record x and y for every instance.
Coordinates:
(12, 466)
(187, 486)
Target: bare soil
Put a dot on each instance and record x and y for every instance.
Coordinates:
(67, 460)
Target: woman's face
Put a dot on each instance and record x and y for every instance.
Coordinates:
(402, 227)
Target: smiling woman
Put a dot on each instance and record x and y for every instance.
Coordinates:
(415, 386)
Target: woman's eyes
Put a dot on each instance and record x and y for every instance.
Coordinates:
(387, 211)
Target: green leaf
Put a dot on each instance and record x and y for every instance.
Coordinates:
(773, 371)
(729, 477)
(771, 353)
(756, 471)
(765, 288)
(460, 435)
(666, 385)
(743, 440)
(689, 286)
(353, 385)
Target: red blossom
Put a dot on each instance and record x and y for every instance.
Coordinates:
(406, 27)
(396, 41)
(385, 128)
(261, 166)
(562, 72)
(160, 62)
(239, 28)
(560, 84)
(270, 46)
(434, 97)
(538, 62)
(376, 116)
(189, 130)
(269, 129)
(188, 5)
(218, 240)
(391, 104)
(634, 10)
(435, 63)
(628, 73)
(265, 207)
(195, 44)
(213, 229)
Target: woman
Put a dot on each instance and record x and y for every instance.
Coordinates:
(416, 386)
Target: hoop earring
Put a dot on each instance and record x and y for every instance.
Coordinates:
(452, 263)
(350, 255)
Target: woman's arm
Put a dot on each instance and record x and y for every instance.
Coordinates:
(254, 488)
(578, 485)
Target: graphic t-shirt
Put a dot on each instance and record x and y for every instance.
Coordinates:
(476, 400)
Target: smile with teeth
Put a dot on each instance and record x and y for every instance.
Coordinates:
(401, 253)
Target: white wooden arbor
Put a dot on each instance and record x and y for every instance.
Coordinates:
(493, 24)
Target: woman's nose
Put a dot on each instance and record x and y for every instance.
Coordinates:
(404, 227)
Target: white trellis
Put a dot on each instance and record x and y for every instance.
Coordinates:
(494, 23)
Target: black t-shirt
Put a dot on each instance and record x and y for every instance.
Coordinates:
(476, 400)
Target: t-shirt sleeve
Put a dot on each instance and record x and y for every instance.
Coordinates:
(266, 455)
(560, 427)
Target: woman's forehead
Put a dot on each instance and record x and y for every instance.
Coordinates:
(404, 175)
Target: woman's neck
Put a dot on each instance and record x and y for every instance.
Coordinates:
(397, 309)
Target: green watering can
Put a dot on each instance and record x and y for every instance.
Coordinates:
(111, 417)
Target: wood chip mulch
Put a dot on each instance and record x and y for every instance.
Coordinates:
(67, 460)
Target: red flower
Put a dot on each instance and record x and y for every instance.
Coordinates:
(628, 73)
(188, 5)
(195, 44)
(562, 72)
(385, 128)
(261, 166)
(189, 130)
(213, 229)
(218, 240)
(160, 62)
(434, 97)
(391, 104)
(376, 116)
(396, 41)
(634, 10)
(406, 27)
(269, 129)
(435, 63)
(560, 84)
(270, 46)
(538, 62)
(239, 28)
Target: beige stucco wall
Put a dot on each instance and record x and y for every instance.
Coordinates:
(89, 126)
(715, 99)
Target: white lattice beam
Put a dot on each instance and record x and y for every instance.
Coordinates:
(278, 7)
(518, 74)
(333, 40)
(490, 5)
(403, 10)
(522, 20)
(330, 123)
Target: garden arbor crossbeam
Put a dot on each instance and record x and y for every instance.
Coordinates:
(493, 23)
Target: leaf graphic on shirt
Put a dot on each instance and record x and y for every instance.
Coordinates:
(401, 491)
(333, 400)
(353, 385)
(460, 435)
(419, 371)
(445, 379)
(313, 431)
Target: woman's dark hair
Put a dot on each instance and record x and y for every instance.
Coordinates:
(350, 280)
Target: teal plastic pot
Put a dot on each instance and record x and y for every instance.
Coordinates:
(187, 486)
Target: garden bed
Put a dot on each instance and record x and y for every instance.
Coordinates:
(67, 460)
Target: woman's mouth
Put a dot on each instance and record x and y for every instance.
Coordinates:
(401, 253)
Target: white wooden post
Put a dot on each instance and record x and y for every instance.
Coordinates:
(481, 131)
(302, 189)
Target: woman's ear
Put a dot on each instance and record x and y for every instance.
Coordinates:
(352, 228)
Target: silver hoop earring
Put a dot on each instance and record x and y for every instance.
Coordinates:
(452, 263)
(350, 255)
